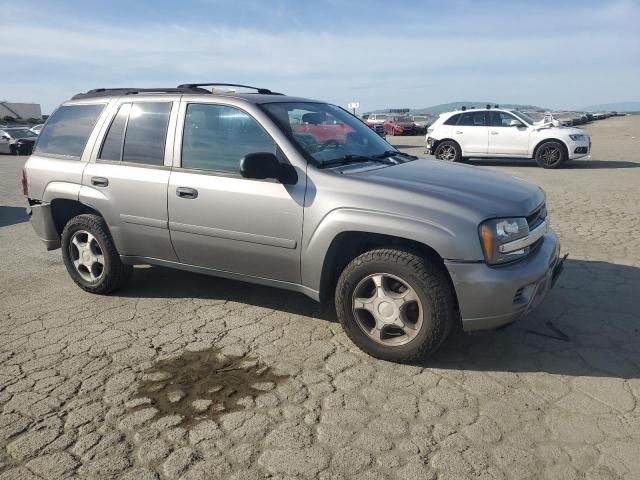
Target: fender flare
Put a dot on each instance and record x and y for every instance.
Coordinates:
(338, 221)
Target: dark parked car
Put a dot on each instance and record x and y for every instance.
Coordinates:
(17, 140)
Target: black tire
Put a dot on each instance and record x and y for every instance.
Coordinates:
(448, 151)
(551, 154)
(14, 150)
(429, 282)
(114, 274)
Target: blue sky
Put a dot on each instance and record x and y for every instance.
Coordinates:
(557, 54)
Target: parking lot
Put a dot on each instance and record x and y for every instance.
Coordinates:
(187, 376)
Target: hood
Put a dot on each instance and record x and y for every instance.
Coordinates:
(559, 129)
(488, 193)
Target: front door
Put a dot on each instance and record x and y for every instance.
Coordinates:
(472, 133)
(217, 218)
(505, 139)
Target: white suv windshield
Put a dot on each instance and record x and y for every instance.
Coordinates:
(325, 133)
(523, 116)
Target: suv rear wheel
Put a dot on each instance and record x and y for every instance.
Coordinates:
(395, 305)
(91, 257)
(551, 155)
(448, 151)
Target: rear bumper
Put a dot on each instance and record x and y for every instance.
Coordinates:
(42, 222)
(491, 297)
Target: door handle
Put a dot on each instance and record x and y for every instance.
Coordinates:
(99, 181)
(186, 192)
(493, 132)
(459, 132)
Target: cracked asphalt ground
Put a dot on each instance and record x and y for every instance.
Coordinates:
(187, 376)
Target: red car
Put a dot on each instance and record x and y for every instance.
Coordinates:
(329, 132)
(399, 125)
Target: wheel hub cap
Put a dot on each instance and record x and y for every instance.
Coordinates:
(387, 309)
(86, 254)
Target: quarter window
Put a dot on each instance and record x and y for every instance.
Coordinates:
(216, 137)
(453, 119)
(473, 119)
(138, 134)
(67, 130)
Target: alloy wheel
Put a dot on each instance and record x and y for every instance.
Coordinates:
(447, 153)
(387, 309)
(550, 155)
(87, 257)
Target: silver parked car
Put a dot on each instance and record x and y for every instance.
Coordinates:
(229, 185)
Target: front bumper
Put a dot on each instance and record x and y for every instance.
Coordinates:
(490, 297)
(579, 149)
(429, 144)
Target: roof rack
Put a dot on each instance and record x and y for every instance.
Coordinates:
(104, 92)
(263, 91)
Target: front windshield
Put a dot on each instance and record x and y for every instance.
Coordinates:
(523, 116)
(20, 132)
(401, 119)
(325, 133)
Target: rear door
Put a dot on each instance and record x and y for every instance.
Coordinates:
(220, 220)
(127, 177)
(471, 132)
(505, 139)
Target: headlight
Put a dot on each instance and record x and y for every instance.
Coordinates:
(578, 138)
(429, 130)
(495, 233)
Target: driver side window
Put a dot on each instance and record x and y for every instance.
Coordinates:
(501, 119)
(216, 137)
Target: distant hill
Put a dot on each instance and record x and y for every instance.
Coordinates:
(448, 107)
(616, 107)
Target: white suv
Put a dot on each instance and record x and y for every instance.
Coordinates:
(496, 132)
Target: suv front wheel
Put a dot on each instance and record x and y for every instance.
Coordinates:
(395, 305)
(448, 151)
(91, 257)
(551, 154)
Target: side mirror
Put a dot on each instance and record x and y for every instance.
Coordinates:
(516, 123)
(263, 165)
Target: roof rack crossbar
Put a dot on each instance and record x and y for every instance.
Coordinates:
(263, 91)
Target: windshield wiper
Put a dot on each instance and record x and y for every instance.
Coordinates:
(355, 159)
(395, 153)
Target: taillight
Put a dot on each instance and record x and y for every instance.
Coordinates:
(25, 183)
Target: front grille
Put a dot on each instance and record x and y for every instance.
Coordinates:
(537, 217)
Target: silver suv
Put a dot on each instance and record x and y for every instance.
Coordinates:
(291, 193)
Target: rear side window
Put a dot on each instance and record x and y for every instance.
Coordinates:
(138, 134)
(473, 119)
(216, 137)
(67, 130)
(452, 120)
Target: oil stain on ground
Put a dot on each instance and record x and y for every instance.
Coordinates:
(206, 384)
